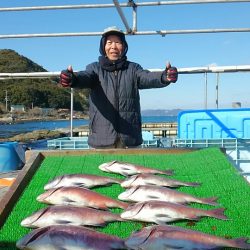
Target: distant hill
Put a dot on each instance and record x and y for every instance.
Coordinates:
(12, 62)
(161, 112)
(44, 93)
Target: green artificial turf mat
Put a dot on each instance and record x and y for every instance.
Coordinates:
(210, 167)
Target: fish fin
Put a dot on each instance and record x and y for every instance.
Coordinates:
(79, 184)
(219, 213)
(162, 216)
(242, 243)
(194, 184)
(168, 246)
(62, 222)
(125, 171)
(160, 222)
(118, 181)
(210, 201)
(169, 172)
(68, 200)
(94, 225)
(152, 197)
(162, 219)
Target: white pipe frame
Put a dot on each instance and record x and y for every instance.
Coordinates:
(142, 4)
(119, 6)
(190, 70)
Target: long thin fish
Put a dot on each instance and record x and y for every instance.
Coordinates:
(77, 196)
(147, 193)
(69, 238)
(161, 212)
(80, 180)
(69, 215)
(125, 169)
(171, 237)
(151, 179)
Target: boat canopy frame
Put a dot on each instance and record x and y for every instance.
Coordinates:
(119, 7)
(129, 31)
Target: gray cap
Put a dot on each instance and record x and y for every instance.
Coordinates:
(112, 30)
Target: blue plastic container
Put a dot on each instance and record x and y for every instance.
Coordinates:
(12, 156)
(214, 124)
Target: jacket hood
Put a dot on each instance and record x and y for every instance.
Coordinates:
(113, 31)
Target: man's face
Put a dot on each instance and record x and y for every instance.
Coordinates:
(113, 47)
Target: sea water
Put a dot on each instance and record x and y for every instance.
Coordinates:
(9, 130)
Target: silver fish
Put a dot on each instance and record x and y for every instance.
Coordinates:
(81, 180)
(125, 168)
(69, 238)
(77, 196)
(147, 192)
(171, 237)
(150, 179)
(161, 212)
(69, 215)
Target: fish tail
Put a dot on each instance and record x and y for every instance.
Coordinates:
(218, 213)
(119, 218)
(210, 201)
(123, 205)
(241, 243)
(118, 181)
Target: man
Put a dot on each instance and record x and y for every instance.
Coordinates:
(114, 83)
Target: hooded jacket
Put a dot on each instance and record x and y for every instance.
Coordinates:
(114, 101)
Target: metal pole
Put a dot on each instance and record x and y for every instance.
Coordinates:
(6, 100)
(217, 90)
(134, 18)
(190, 70)
(71, 111)
(159, 32)
(205, 90)
(124, 20)
(87, 6)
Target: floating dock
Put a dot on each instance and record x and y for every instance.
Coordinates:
(163, 129)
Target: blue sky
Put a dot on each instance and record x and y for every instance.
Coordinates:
(151, 51)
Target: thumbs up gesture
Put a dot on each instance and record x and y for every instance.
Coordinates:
(171, 73)
(66, 77)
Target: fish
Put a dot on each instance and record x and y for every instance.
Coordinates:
(151, 179)
(77, 196)
(80, 180)
(147, 192)
(62, 237)
(126, 169)
(172, 237)
(161, 212)
(69, 215)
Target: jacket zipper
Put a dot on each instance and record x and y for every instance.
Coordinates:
(117, 100)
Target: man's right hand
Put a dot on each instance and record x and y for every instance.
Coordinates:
(66, 77)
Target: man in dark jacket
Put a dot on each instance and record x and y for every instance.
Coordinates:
(114, 83)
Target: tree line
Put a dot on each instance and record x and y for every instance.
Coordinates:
(43, 93)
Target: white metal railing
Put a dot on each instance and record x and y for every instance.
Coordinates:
(68, 143)
(150, 32)
(190, 70)
(119, 6)
(237, 149)
(128, 4)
